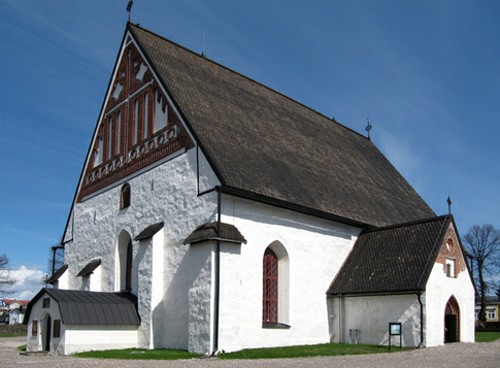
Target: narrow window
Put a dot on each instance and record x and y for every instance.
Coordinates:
(125, 196)
(145, 131)
(57, 328)
(136, 122)
(46, 303)
(110, 138)
(160, 112)
(118, 133)
(128, 275)
(270, 287)
(450, 267)
(98, 153)
(34, 328)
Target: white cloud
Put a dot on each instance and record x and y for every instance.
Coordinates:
(27, 282)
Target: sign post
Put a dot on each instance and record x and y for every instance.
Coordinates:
(395, 330)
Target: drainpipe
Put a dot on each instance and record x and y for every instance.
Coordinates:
(217, 277)
(340, 319)
(419, 296)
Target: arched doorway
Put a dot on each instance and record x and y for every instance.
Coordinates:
(46, 332)
(452, 321)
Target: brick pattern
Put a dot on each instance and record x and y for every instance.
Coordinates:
(127, 131)
(450, 249)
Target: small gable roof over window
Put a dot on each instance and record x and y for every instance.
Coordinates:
(89, 267)
(149, 231)
(57, 274)
(268, 147)
(228, 233)
(91, 308)
(391, 260)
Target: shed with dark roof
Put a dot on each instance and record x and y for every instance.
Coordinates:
(79, 307)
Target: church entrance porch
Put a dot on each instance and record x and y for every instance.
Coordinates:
(452, 321)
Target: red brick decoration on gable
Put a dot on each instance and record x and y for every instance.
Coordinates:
(450, 249)
(138, 127)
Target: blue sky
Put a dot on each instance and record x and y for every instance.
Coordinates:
(425, 73)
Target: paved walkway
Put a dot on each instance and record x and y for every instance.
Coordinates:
(479, 355)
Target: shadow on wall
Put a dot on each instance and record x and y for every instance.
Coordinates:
(371, 316)
(188, 288)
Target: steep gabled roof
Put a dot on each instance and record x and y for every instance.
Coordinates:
(79, 307)
(266, 145)
(396, 259)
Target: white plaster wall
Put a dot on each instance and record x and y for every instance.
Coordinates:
(200, 297)
(371, 316)
(86, 338)
(62, 282)
(169, 193)
(316, 249)
(439, 290)
(95, 280)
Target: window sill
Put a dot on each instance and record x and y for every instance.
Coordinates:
(275, 325)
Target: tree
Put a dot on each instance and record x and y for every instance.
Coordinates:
(483, 248)
(4, 273)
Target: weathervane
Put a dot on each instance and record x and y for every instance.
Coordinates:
(129, 8)
(449, 204)
(368, 127)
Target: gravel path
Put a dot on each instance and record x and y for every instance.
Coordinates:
(479, 355)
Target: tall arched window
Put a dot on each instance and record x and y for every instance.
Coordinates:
(123, 262)
(270, 287)
(275, 287)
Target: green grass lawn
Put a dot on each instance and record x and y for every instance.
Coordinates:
(159, 354)
(486, 336)
(309, 351)
(13, 335)
(266, 353)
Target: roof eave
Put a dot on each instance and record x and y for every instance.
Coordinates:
(375, 293)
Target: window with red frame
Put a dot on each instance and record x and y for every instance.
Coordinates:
(270, 287)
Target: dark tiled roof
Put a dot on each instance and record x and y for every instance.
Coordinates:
(392, 260)
(149, 231)
(58, 273)
(228, 233)
(89, 267)
(92, 308)
(263, 143)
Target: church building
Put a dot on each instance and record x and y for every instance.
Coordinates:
(216, 214)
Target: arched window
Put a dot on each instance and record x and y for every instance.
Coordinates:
(275, 287)
(270, 287)
(125, 196)
(123, 262)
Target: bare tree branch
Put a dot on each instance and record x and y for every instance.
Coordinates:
(483, 248)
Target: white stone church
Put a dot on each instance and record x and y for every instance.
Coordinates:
(214, 213)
